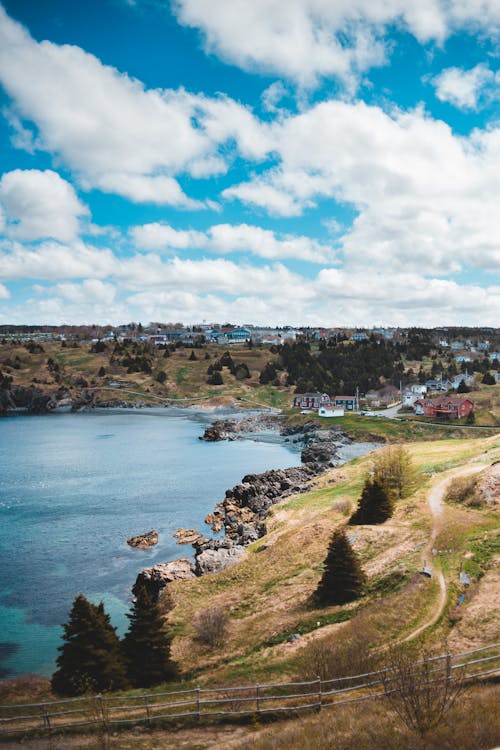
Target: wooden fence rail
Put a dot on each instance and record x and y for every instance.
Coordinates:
(231, 701)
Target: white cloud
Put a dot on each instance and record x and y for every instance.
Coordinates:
(229, 238)
(4, 292)
(40, 204)
(426, 199)
(145, 189)
(157, 236)
(306, 39)
(51, 260)
(96, 286)
(465, 88)
(90, 291)
(109, 129)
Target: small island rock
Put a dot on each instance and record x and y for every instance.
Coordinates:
(144, 540)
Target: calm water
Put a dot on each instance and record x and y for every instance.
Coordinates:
(74, 487)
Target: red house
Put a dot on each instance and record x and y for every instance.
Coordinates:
(447, 407)
(311, 400)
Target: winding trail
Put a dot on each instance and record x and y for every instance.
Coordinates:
(435, 500)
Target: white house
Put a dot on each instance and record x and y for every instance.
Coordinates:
(330, 411)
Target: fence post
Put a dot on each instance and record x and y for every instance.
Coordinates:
(257, 698)
(448, 670)
(148, 715)
(101, 711)
(46, 718)
(320, 693)
(198, 711)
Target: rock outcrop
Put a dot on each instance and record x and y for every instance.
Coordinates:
(188, 536)
(143, 541)
(215, 560)
(156, 578)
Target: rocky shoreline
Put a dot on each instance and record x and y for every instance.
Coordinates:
(242, 514)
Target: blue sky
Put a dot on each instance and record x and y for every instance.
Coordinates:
(309, 162)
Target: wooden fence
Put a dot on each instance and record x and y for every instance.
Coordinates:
(205, 704)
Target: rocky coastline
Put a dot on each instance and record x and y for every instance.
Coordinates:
(242, 515)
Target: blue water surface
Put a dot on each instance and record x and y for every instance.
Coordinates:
(75, 487)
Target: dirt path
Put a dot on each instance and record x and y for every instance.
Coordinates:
(435, 500)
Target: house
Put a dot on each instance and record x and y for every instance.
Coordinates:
(359, 336)
(483, 346)
(495, 356)
(412, 393)
(438, 385)
(311, 400)
(238, 334)
(465, 377)
(447, 407)
(457, 345)
(347, 402)
(463, 358)
(330, 411)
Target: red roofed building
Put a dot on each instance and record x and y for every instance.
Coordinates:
(448, 407)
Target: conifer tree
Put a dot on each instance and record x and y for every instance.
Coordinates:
(146, 645)
(374, 506)
(91, 659)
(343, 578)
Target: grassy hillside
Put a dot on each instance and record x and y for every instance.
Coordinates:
(268, 595)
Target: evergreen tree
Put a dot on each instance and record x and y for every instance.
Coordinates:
(146, 645)
(374, 506)
(90, 658)
(463, 387)
(343, 578)
(488, 379)
(192, 357)
(215, 379)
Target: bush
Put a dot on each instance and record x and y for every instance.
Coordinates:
(331, 658)
(211, 627)
(393, 469)
(462, 490)
(161, 376)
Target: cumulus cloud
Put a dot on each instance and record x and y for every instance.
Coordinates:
(109, 129)
(229, 238)
(95, 285)
(4, 292)
(307, 39)
(426, 199)
(465, 88)
(40, 204)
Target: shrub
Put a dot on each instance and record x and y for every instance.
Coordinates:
(211, 627)
(393, 469)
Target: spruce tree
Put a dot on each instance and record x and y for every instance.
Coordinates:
(146, 645)
(374, 506)
(91, 659)
(343, 578)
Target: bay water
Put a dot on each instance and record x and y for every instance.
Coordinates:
(75, 487)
